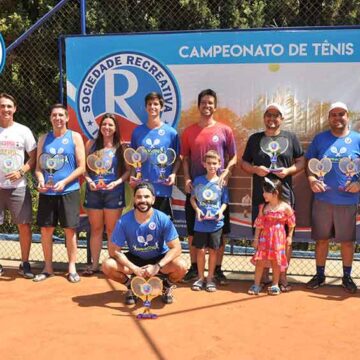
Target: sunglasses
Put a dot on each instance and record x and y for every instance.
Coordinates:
(342, 113)
(268, 114)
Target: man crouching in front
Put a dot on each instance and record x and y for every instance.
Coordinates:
(154, 246)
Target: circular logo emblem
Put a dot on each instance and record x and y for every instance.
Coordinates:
(348, 140)
(152, 226)
(119, 83)
(65, 141)
(161, 132)
(215, 139)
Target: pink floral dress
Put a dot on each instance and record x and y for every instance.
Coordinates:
(272, 239)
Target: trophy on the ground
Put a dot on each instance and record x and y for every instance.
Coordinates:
(8, 164)
(99, 162)
(136, 158)
(146, 290)
(350, 168)
(273, 147)
(208, 196)
(320, 168)
(162, 159)
(50, 164)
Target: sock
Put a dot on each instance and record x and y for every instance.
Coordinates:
(194, 266)
(217, 268)
(127, 283)
(347, 270)
(320, 271)
(167, 283)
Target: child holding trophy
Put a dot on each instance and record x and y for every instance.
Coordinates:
(271, 239)
(105, 176)
(209, 201)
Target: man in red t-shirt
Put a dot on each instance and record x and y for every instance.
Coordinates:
(197, 139)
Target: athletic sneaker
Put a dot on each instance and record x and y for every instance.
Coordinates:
(167, 297)
(316, 282)
(190, 275)
(25, 270)
(220, 277)
(1, 270)
(348, 284)
(130, 298)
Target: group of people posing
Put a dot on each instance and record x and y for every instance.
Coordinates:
(207, 152)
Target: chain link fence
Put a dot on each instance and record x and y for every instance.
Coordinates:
(32, 75)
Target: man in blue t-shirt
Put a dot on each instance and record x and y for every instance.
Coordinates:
(153, 242)
(163, 147)
(336, 198)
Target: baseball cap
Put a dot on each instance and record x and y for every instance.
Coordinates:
(275, 106)
(338, 105)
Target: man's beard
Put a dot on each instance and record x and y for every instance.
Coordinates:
(142, 210)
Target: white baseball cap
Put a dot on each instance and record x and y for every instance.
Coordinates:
(338, 105)
(275, 106)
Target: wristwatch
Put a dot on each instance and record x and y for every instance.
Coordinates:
(21, 172)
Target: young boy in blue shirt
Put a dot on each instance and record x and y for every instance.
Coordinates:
(209, 201)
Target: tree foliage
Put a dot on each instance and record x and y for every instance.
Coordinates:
(32, 70)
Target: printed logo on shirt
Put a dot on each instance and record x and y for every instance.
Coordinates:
(215, 139)
(152, 226)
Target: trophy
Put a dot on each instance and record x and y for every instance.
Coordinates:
(320, 168)
(135, 158)
(208, 196)
(146, 290)
(273, 147)
(8, 164)
(350, 168)
(162, 159)
(99, 162)
(50, 164)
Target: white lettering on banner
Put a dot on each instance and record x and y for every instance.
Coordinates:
(111, 98)
(328, 49)
(266, 50)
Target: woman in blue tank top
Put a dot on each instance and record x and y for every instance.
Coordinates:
(105, 176)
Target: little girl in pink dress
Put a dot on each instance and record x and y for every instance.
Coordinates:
(271, 238)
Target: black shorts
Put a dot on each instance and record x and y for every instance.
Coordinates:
(163, 204)
(205, 240)
(138, 261)
(190, 218)
(63, 209)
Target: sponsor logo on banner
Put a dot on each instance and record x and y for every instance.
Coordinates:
(118, 84)
(2, 53)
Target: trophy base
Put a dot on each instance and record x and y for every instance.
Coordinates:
(276, 170)
(209, 217)
(145, 316)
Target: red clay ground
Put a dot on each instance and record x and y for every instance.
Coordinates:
(59, 320)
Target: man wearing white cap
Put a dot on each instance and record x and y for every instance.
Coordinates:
(256, 162)
(335, 204)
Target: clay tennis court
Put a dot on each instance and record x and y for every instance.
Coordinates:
(58, 320)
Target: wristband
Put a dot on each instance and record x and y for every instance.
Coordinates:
(21, 172)
(158, 264)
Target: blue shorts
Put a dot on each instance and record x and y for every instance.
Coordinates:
(105, 199)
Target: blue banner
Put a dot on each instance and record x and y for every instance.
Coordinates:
(304, 70)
